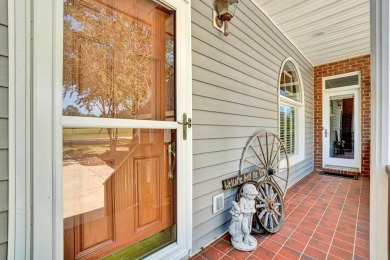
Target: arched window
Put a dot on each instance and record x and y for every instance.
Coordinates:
(291, 110)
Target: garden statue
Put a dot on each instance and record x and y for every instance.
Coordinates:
(241, 223)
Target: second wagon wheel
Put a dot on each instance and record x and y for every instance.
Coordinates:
(270, 209)
(266, 153)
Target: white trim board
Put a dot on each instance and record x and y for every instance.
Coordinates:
(295, 159)
(326, 94)
(380, 128)
(19, 129)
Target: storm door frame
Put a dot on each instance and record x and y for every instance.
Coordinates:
(47, 121)
(326, 94)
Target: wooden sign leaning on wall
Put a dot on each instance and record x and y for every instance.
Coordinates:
(243, 178)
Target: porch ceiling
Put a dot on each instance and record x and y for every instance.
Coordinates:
(323, 30)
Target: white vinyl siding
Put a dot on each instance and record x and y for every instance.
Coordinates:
(3, 129)
(235, 95)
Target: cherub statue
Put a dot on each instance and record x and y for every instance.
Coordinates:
(241, 224)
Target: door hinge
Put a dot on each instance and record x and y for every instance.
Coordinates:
(187, 123)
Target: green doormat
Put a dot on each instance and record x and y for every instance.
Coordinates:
(145, 247)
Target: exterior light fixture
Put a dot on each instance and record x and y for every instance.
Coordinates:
(225, 11)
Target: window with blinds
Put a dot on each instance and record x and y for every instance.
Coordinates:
(288, 128)
(291, 111)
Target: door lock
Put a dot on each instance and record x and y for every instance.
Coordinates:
(187, 123)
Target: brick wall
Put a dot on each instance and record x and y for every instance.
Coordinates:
(361, 63)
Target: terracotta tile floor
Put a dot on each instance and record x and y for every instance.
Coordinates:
(327, 218)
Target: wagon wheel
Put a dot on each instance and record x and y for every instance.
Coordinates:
(257, 228)
(270, 209)
(266, 153)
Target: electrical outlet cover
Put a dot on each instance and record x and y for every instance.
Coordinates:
(218, 203)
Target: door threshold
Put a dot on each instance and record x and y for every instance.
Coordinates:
(340, 175)
(341, 168)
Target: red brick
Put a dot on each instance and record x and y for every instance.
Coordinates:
(362, 64)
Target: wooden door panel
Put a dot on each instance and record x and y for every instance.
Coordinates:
(94, 228)
(122, 183)
(90, 231)
(123, 198)
(138, 200)
(148, 192)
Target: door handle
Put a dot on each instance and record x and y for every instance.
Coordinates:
(326, 133)
(172, 164)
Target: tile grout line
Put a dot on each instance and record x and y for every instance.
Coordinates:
(323, 214)
(350, 194)
(296, 193)
(296, 184)
(306, 195)
(306, 245)
(293, 210)
(338, 221)
(305, 214)
(224, 254)
(355, 227)
(357, 218)
(250, 254)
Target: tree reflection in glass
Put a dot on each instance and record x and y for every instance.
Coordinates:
(115, 64)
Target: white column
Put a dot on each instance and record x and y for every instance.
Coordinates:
(42, 127)
(380, 128)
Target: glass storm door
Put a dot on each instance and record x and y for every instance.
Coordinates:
(119, 158)
(341, 122)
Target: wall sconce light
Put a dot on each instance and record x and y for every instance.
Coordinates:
(225, 11)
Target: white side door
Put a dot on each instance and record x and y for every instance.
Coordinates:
(341, 128)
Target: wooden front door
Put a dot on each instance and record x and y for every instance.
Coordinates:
(118, 64)
(137, 198)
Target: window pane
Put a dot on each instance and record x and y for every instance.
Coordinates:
(119, 59)
(289, 82)
(342, 82)
(341, 134)
(117, 191)
(288, 127)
